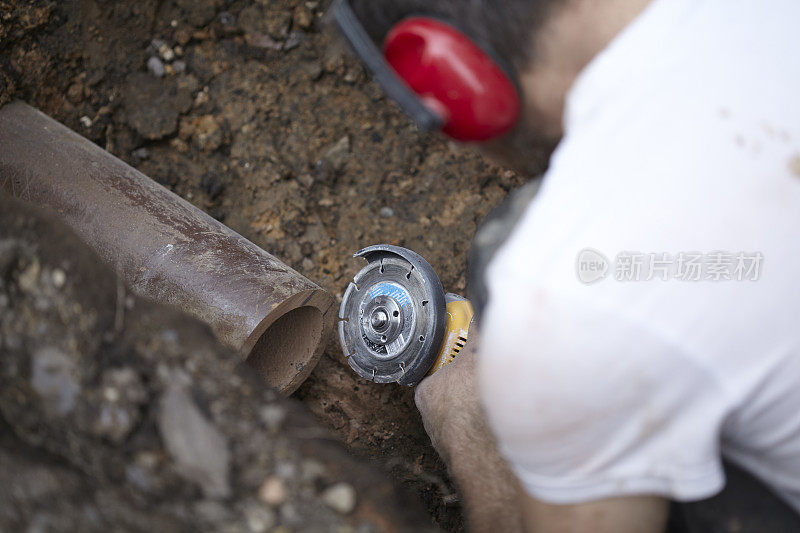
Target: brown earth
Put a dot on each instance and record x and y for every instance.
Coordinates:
(254, 112)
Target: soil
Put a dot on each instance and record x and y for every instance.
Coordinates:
(255, 112)
(122, 414)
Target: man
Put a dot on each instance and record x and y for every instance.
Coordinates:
(642, 315)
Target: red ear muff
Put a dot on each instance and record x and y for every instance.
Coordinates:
(454, 78)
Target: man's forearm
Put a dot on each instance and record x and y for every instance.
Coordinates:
(489, 490)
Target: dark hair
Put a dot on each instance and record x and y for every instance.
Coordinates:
(505, 26)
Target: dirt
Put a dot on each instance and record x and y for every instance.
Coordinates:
(256, 113)
(118, 413)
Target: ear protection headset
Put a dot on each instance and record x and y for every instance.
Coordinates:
(438, 75)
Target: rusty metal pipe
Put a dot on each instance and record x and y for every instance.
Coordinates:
(166, 249)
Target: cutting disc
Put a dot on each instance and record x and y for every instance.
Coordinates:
(392, 317)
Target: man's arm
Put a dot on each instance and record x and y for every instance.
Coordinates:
(492, 496)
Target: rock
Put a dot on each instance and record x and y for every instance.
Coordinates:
(277, 24)
(197, 446)
(141, 153)
(208, 136)
(311, 470)
(123, 393)
(336, 155)
(259, 519)
(386, 212)
(262, 40)
(86, 122)
(303, 17)
(29, 278)
(306, 180)
(59, 278)
(227, 19)
(75, 93)
(272, 491)
(182, 37)
(54, 378)
(340, 497)
(307, 264)
(294, 40)
(156, 67)
(166, 53)
(152, 105)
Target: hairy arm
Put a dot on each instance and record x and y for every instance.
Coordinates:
(492, 496)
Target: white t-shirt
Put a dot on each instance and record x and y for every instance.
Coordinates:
(607, 367)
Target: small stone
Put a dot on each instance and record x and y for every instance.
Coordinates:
(86, 121)
(199, 449)
(312, 470)
(307, 264)
(110, 394)
(306, 180)
(351, 76)
(226, 18)
(138, 476)
(340, 497)
(303, 17)
(285, 470)
(386, 212)
(272, 491)
(156, 67)
(208, 136)
(29, 278)
(259, 519)
(166, 53)
(141, 153)
(277, 25)
(182, 37)
(336, 154)
(75, 93)
(294, 40)
(54, 378)
(262, 40)
(273, 416)
(179, 66)
(179, 145)
(123, 393)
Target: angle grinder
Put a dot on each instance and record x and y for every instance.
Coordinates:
(396, 324)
